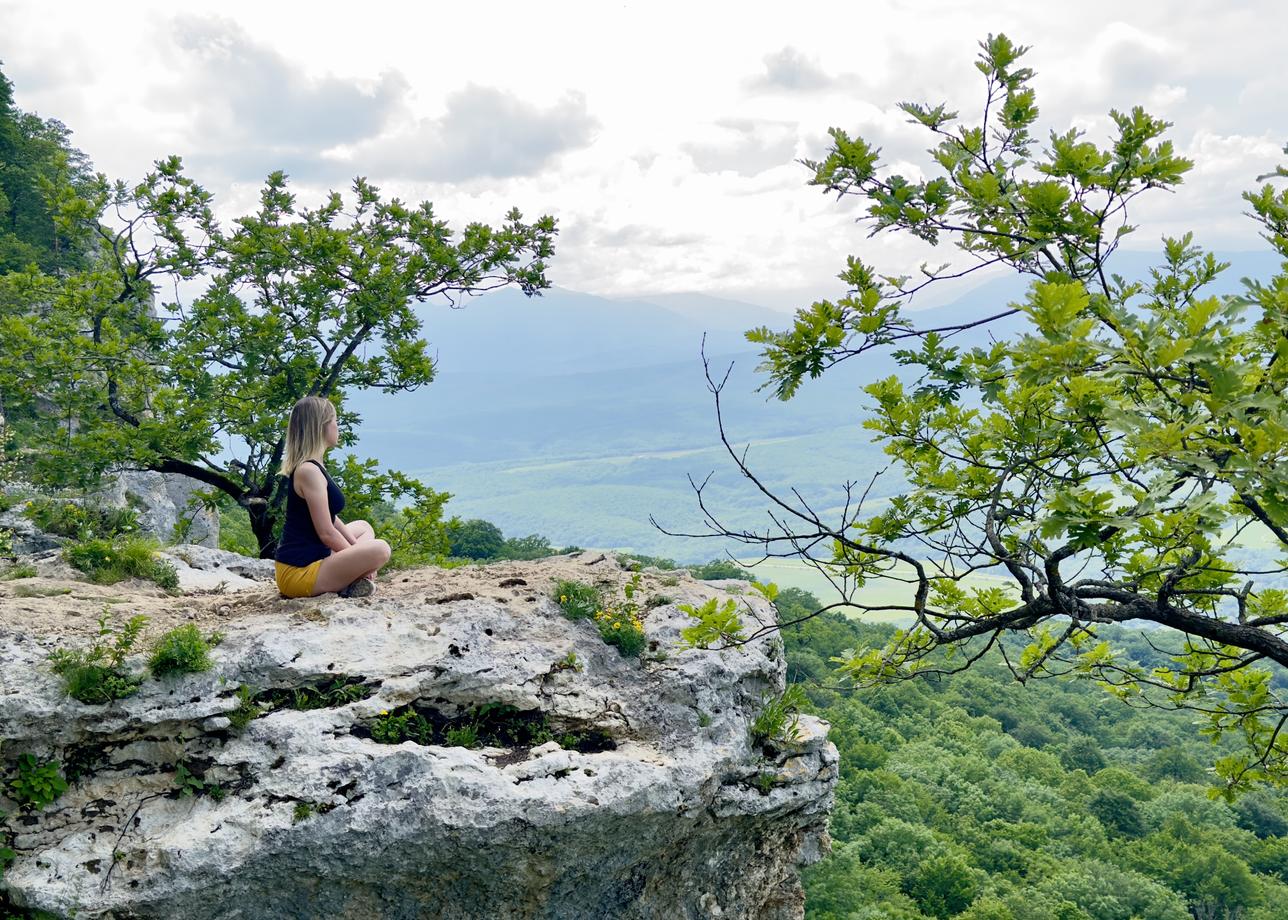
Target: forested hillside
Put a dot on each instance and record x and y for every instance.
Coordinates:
(974, 796)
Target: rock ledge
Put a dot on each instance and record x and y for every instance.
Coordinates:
(680, 818)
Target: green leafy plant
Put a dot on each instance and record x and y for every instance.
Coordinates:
(37, 783)
(80, 520)
(778, 722)
(716, 622)
(719, 570)
(765, 781)
(189, 783)
(466, 736)
(618, 622)
(182, 650)
(579, 601)
(486, 725)
(108, 561)
(568, 662)
(620, 626)
(402, 725)
(1109, 445)
(339, 691)
(303, 811)
(246, 710)
(98, 674)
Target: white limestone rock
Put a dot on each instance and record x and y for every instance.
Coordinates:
(681, 818)
(201, 568)
(163, 500)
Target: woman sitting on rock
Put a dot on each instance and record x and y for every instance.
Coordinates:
(318, 552)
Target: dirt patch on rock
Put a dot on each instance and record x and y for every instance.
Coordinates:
(58, 602)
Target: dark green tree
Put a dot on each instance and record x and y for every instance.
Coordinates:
(475, 539)
(1117, 811)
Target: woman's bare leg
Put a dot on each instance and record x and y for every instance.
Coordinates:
(362, 531)
(341, 569)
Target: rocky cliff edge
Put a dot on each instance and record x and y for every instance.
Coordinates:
(628, 788)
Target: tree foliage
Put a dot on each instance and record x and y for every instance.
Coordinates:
(122, 371)
(35, 154)
(1113, 461)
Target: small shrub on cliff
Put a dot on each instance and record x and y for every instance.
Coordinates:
(189, 784)
(466, 736)
(618, 622)
(620, 626)
(36, 784)
(108, 561)
(579, 601)
(80, 521)
(779, 720)
(720, 569)
(246, 711)
(183, 650)
(337, 692)
(400, 726)
(98, 674)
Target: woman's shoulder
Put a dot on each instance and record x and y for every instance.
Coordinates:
(310, 471)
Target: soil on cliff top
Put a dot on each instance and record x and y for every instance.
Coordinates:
(58, 602)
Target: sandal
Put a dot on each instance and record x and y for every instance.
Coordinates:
(362, 587)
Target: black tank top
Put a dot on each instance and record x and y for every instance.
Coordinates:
(300, 545)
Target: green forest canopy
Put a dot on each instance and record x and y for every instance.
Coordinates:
(976, 797)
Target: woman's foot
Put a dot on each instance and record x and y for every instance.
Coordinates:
(361, 587)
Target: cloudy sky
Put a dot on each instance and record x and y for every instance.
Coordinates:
(664, 136)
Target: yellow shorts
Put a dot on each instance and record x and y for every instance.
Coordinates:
(297, 581)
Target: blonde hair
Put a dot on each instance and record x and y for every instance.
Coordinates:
(305, 438)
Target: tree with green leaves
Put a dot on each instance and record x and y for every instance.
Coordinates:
(120, 369)
(35, 154)
(1112, 460)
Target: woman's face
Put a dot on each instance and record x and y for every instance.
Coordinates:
(331, 432)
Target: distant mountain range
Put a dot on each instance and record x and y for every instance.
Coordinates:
(578, 416)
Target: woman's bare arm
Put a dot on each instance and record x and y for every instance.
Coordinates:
(344, 531)
(311, 485)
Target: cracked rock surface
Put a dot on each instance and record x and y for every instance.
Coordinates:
(301, 814)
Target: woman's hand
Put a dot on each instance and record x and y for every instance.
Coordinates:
(345, 531)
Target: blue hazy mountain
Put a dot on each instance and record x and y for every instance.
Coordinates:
(578, 416)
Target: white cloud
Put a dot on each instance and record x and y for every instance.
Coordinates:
(663, 136)
(791, 70)
(485, 133)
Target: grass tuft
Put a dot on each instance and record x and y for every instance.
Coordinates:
(183, 650)
(107, 561)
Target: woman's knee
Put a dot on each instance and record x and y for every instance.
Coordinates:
(362, 530)
(385, 550)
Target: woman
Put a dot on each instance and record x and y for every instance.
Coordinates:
(318, 552)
